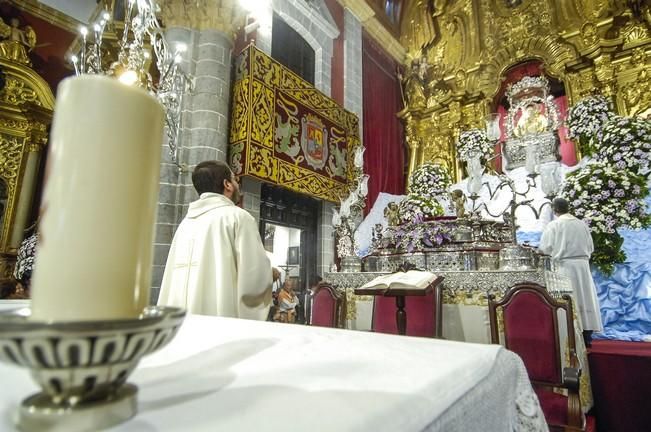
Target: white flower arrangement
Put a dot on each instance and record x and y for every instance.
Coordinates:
(429, 180)
(586, 119)
(474, 143)
(416, 207)
(345, 247)
(626, 144)
(606, 197)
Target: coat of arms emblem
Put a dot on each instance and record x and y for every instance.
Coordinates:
(314, 141)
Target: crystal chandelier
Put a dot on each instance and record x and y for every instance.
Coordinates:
(141, 31)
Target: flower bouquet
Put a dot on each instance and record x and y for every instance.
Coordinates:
(607, 198)
(416, 207)
(429, 180)
(585, 121)
(626, 144)
(474, 144)
(418, 235)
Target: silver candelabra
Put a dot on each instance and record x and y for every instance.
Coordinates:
(141, 31)
(345, 220)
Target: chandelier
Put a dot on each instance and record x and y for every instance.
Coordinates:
(142, 33)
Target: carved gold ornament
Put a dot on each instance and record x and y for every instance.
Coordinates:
(456, 66)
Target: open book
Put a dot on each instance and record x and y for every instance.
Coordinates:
(410, 279)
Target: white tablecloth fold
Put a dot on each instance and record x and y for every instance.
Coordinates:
(238, 375)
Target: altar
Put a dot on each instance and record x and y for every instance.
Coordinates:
(465, 306)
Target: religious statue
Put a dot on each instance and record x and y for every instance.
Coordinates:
(15, 43)
(376, 241)
(412, 83)
(458, 199)
(531, 122)
(392, 214)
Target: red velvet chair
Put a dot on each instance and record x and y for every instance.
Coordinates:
(530, 318)
(327, 307)
(424, 314)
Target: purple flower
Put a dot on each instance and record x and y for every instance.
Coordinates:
(619, 193)
(612, 184)
(631, 206)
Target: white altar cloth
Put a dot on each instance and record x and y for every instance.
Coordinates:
(238, 375)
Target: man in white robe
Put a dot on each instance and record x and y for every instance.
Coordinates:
(568, 241)
(217, 264)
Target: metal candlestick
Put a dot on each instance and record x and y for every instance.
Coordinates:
(508, 214)
(82, 367)
(513, 257)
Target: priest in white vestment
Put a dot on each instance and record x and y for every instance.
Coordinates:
(217, 264)
(568, 241)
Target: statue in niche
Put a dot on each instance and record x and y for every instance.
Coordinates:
(414, 89)
(16, 42)
(531, 122)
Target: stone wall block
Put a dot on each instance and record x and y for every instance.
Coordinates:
(166, 213)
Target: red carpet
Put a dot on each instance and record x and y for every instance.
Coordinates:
(621, 384)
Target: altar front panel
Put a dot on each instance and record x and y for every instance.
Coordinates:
(465, 311)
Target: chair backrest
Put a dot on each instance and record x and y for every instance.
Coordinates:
(424, 314)
(530, 318)
(327, 307)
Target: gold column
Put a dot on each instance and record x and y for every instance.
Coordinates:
(25, 197)
(26, 104)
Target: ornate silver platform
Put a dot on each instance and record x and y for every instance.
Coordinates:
(473, 286)
(82, 367)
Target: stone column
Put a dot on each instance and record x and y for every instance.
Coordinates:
(353, 88)
(206, 27)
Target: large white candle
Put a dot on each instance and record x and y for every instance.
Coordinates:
(99, 204)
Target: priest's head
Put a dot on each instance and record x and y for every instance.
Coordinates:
(216, 177)
(560, 206)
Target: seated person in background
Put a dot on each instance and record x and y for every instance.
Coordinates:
(275, 289)
(12, 290)
(287, 302)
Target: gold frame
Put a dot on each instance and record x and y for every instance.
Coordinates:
(26, 108)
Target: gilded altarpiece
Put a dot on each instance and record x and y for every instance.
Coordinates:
(26, 105)
(459, 52)
(285, 132)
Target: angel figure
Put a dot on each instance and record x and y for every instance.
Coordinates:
(392, 214)
(16, 43)
(458, 199)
